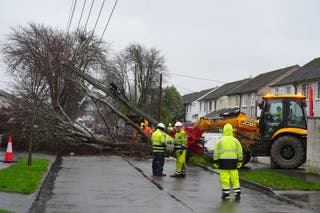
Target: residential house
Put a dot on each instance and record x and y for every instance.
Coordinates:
(217, 100)
(5, 99)
(299, 81)
(192, 107)
(251, 92)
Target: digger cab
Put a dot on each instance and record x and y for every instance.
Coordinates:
(282, 111)
(281, 114)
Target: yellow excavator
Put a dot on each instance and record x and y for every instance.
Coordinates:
(280, 132)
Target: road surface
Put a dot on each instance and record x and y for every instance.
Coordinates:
(119, 185)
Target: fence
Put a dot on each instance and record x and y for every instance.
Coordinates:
(313, 146)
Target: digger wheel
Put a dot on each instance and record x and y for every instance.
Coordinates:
(288, 152)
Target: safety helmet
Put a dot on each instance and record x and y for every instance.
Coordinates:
(178, 124)
(161, 125)
(142, 124)
(169, 124)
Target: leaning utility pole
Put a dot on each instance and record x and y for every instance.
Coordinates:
(160, 95)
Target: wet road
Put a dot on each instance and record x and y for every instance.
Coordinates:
(114, 184)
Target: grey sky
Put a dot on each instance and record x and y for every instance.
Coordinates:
(225, 40)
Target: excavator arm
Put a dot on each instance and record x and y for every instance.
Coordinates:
(246, 130)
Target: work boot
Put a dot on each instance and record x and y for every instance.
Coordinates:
(225, 196)
(162, 174)
(176, 175)
(237, 196)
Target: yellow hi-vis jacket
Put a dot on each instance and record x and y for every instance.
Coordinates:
(180, 140)
(158, 140)
(228, 150)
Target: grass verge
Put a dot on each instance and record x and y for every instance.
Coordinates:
(4, 211)
(22, 178)
(278, 181)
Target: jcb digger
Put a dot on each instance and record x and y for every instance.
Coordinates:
(280, 132)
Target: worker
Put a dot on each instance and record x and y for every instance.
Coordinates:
(279, 114)
(170, 140)
(180, 147)
(158, 148)
(146, 128)
(228, 158)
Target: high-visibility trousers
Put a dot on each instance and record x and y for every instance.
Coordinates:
(181, 160)
(229, 178)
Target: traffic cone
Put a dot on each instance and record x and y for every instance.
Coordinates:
(9, 155)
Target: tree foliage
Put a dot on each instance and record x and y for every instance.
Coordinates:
(138, 74)
(48, 92)
(47, 66)
(172, 106)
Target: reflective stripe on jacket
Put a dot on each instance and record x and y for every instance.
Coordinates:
(158, 140)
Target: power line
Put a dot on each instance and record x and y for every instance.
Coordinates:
(94, 28)
(194, 77)
(114, 6)
(84, 4)
(73, 6)
(85, 27)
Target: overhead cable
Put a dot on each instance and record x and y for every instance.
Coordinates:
(105, 28)
(194, 77)
(85, 27)
(73, 6)
(95, 25)
(84, 4)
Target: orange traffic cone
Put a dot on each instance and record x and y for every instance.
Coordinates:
(9, 155)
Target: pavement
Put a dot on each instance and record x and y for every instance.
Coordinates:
(306, 199)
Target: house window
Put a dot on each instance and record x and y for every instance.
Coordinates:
(277, 90)
(205, 106)
(210, 106)
(288, 90)
(253, 99)
(237, 100)
(305, 90)
(244, 100)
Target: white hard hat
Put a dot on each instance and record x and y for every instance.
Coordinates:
(178, 124)
(161, 125)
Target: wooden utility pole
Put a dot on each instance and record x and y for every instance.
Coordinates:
(160, 95)
(135, 85)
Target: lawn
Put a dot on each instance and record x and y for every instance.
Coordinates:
(278, 181)
(4, 211)
(22, 178)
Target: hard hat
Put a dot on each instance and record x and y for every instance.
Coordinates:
(142, 124)
(161, 125)
(169, 124)
(178, 124)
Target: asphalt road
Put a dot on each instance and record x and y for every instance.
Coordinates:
(114, 184)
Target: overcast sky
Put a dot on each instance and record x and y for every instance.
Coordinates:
(204, 42)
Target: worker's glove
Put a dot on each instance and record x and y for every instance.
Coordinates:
(215, 164)
(239, 164)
